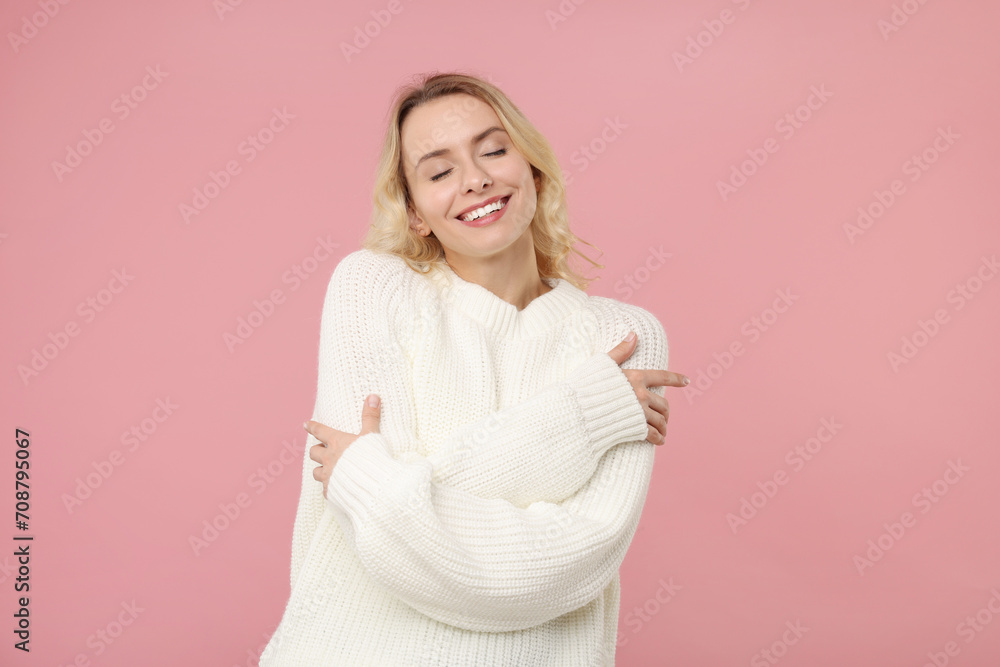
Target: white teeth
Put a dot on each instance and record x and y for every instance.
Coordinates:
(485, 210)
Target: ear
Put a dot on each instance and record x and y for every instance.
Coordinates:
(416, 224)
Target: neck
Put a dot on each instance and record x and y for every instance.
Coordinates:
(512, 275)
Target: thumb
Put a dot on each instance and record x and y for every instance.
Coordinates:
(371, 414)
(624, 349)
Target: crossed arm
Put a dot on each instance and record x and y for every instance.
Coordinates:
(494, 532)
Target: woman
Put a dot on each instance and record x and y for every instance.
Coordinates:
(478, 515)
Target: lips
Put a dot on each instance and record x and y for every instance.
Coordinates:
(481, 204)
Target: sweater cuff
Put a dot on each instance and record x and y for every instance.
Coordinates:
(611, 412)
(361, 475)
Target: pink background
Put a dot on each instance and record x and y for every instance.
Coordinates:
(652, 183)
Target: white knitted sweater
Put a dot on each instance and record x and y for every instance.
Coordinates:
(485, 523)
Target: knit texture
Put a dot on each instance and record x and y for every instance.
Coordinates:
(484, 524)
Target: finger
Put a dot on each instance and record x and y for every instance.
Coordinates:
(660, 404)
(318, 474)
(656, 421)
(657, 378)
(321, 432)
(370, 414)
(624, 349)
(318, 452)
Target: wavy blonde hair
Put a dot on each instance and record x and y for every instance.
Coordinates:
(390, 228)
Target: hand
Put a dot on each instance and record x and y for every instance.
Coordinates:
(656, 408)
(333, 443)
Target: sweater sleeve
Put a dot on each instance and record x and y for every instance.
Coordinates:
(495, 457)
(486, 563)
(577, 419)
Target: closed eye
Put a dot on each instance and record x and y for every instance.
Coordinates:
(502, 151)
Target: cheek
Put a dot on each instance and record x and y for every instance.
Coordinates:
(441, 204)
(427, 203)
(527, 177)
(435, 205)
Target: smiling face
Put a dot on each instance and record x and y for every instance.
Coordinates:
(456, 156)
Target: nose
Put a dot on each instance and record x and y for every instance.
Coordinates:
(476, 178)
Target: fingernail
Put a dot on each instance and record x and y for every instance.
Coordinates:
(305, 425)
(373, 401)
(630, 337)
(687, 380)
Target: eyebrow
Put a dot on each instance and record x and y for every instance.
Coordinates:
(475, 140)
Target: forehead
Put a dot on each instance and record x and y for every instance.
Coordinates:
(446, 122)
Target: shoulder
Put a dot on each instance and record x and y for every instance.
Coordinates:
(375, 266)
(617, 318)
(379, 275)
(381, 285)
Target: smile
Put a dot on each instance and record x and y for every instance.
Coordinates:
(487, 214)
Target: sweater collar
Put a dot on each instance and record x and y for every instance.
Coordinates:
(502, 317)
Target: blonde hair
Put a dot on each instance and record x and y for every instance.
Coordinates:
(390, 228)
